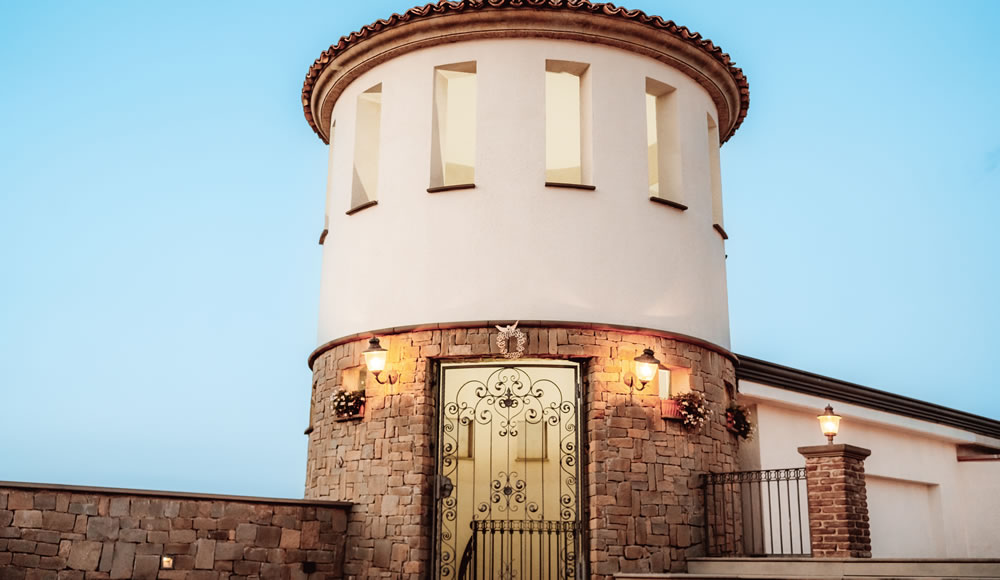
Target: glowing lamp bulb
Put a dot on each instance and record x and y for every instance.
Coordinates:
(646, 366)
(829, 422)
(375, 356)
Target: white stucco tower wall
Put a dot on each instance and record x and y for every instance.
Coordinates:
(514, 247)
(569, 211)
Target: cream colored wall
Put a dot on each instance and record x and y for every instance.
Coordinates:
(919, 532)
(922, 501)
(981, 501)
(512, 248)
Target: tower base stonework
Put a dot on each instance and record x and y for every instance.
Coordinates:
(641, 500)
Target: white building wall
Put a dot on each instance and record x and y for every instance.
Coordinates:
(512, 248)
(923, 502)
(980, 484)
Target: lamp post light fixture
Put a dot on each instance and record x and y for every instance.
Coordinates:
(375, 357)
(646, 366)
(829, 422)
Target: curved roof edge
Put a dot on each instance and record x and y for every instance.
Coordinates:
(674, 34)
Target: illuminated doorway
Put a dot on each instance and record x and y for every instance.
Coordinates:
(509, 471)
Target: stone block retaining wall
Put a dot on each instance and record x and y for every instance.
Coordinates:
(76, 533)
(643, 499)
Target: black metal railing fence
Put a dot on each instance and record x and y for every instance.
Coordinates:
(757, 513)
(528, 549)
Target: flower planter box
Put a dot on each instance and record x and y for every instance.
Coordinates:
(738, 422)
(669, 409)
(360, 415)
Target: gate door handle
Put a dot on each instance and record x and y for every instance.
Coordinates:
(445, 486)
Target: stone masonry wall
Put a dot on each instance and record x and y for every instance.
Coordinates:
(63, 532)
(642, 501)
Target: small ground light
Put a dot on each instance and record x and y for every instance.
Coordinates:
(829, 422)
(167, 562)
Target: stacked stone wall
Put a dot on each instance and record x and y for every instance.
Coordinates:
(642, 497)
(67, 533)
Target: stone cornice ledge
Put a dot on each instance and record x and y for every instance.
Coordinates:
(836, 450)
(86, 489)
(521, 324)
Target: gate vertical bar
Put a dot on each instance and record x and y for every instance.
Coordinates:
(788, 494)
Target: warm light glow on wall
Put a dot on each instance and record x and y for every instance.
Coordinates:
(664, 381)
(674, 381)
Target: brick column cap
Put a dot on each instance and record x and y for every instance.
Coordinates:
(839, 450)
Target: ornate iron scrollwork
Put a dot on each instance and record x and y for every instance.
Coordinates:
(526, 511)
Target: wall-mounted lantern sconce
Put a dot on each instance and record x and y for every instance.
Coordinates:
(167, 562)
(375, 361)
(646, 366)
(829, 422)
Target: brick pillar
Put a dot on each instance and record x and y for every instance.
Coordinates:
(838, 503)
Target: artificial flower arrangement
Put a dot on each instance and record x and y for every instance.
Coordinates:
(738, 421)
(693, 410)
(348, 403)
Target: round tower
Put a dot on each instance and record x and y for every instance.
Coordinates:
(523, 196)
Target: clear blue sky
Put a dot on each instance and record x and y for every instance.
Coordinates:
(161, 196)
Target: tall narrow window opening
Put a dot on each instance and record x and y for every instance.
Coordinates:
(567, 123)
(663, 151)
(368, 119)
(715, 176)
(453, 149)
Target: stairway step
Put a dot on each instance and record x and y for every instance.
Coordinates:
(772, 577)
(733, 577)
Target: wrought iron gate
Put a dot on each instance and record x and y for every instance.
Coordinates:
(509, 472)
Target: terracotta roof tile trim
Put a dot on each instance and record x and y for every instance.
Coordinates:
(607, 9)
